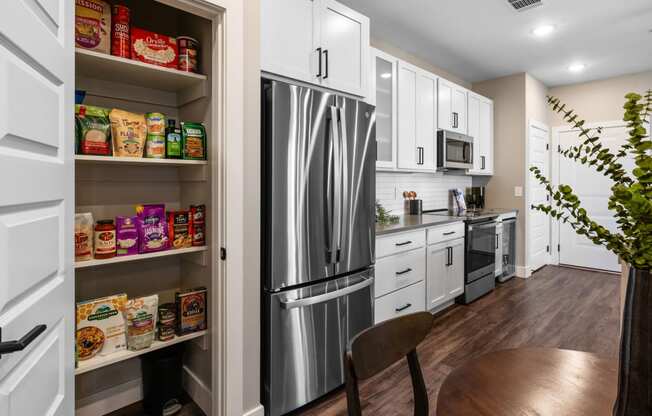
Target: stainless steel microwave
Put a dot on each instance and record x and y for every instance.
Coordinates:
(454, 150)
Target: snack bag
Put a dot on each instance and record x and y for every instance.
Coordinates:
(92, 130)
(141, 322)
(129, 132)
(152, 228)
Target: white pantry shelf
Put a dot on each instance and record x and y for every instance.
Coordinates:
(103, 361)
(107, 67)
(137, 161)
(138, 257)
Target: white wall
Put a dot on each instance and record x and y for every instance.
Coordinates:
(431, 188)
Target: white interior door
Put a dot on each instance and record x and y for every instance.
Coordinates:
(593, 190)
(345, 43)
(37, 207)
(538, 235)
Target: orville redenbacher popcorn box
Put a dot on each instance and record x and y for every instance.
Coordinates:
(154, 48)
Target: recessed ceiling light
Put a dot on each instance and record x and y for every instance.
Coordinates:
(578, 67)
(543, 30)
(386, 75)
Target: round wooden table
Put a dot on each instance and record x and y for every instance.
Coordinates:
(531, 381)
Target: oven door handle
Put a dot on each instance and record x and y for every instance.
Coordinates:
(482, 225)
(300, 303)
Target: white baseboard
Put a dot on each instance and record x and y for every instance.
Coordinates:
(198, 391)
(523, 272)
(122, 395)
(111, 399)
(256, 411)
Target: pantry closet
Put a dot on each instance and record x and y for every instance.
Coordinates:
(110, 186)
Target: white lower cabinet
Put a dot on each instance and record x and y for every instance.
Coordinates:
(396, 272)
(445, 265)
(402, 302)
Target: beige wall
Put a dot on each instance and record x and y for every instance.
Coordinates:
(415, 60)
(599, 101)
(508, 94)
(251, 195)
(536, 105)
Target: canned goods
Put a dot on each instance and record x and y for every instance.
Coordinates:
(120, 31)
(188, 53)
(155, 146)
(155, 123)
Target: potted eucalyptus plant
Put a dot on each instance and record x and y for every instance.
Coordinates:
(631, 203)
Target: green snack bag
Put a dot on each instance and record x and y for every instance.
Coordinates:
(193, 137)
(92, 130)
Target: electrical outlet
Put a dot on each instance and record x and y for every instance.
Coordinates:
(518, 191)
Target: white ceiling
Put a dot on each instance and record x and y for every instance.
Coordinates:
(484, 39)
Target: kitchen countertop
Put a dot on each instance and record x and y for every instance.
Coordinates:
(413, 222)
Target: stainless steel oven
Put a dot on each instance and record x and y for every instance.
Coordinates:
(454, 150)
(480, 261)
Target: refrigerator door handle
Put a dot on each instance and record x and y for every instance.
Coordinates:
(336, 203)
(300, 303)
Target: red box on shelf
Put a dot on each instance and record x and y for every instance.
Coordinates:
(154, 48)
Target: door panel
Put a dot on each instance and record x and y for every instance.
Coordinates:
(345, 40)
(426, 128)
(539, 238)
(407, 116)
(437, 271)
(384, 97)
(474, 131)
(487, 135)
(459, 108)
(593, 190)
(445, 105)
(358, 219)
(455, 272)
(298, 157)
(288, 45)
(37, 206)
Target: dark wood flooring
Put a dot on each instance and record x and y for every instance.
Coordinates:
(557, 307)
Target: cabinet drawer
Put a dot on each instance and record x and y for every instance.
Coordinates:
(402, 302)
(398, 271)
(400, 242)
(446, 232)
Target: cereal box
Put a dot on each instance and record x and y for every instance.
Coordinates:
(154, 48)
(92, 25)
(101, 326)
(191, 310)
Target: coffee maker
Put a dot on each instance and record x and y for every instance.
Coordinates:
(474, 197)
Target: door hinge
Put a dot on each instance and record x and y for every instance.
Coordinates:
(558, 247)
(547, 146)
(222, 253)
(547, 249)
(559, 148)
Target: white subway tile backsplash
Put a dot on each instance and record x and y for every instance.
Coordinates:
(431, 188)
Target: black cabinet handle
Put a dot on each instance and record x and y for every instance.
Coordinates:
(404, 307)
(449, 233)
(420, 157)
(326, 57)
(8, 347)
(319, 52)
(450, 250)
(455, 120)
(404, 243)
(482, 159)
(408, 270)
(496, 241)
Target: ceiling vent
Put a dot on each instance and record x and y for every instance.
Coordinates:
(523, 5)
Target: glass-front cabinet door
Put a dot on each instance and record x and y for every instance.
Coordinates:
(384, 94)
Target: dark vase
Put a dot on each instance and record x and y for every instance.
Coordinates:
(635, 372)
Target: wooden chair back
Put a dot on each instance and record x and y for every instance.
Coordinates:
(375, 349)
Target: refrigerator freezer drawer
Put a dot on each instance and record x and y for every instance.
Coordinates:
(307, 331)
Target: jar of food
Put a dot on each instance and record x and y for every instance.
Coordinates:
(120, 31)
(188, 53)
(105, 246)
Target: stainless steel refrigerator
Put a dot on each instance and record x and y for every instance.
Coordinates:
(318, 238)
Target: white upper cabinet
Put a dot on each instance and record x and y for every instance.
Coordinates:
(417, 118)
(383, 96)
(289, 32)
(345, 48)
(407, 116)
(481, 128)
(452, 100)
(320, 42)
(426, 121)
